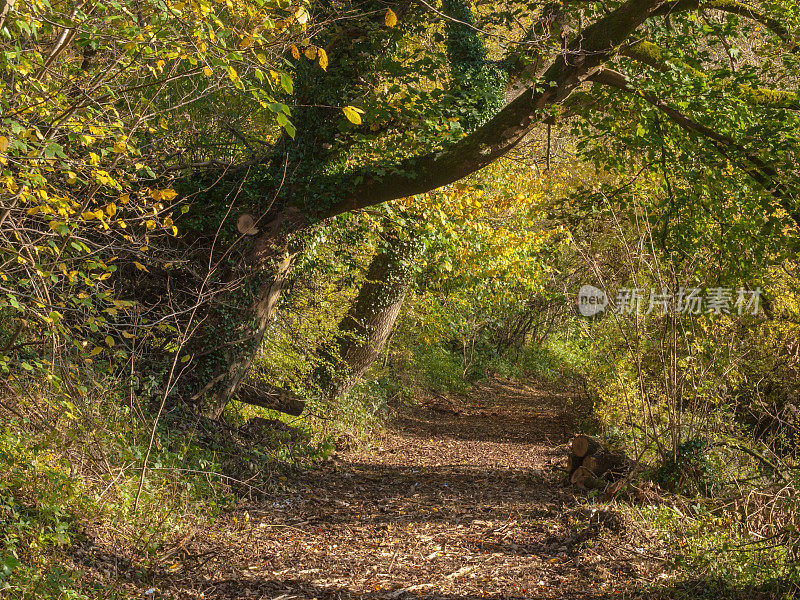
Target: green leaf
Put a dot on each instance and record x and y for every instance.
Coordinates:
(286, 83)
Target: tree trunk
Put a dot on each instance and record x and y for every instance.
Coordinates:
(368, 323)
(362, 333)
(243, 340)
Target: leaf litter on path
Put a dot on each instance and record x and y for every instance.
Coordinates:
(453, 504)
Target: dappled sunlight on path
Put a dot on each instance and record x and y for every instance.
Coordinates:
(458, 500)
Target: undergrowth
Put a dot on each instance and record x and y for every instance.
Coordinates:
(72, 477)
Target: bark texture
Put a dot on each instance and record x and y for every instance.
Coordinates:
(367, 325)
(239, 354)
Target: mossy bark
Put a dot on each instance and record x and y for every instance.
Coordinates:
(365, 328)
(248, 336)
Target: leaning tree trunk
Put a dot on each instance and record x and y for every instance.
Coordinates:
(362, 333)
(365, 328)
(238, 356)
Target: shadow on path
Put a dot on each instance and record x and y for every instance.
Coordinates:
(459, 500)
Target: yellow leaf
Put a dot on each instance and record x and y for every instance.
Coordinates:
(96, 351)
(111, 209)
(140, 266)
(302, 15)
(109, 341)
(295, 52)
(311, 52)
(391, 18)
(208, 71)
(352, 114)
(3, 143)
(163, 195)
(322, 57)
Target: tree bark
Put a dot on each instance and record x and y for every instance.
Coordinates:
(6, 6)
(261, 394)
(244, 338)
(368, 323)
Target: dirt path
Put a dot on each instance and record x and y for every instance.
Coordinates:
(458, 501)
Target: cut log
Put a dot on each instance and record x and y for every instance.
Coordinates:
(584, 445)
(584, 478)
(573, 462)
(246, 225)
(607, 464)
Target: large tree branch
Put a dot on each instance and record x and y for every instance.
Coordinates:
(748, 161)
(597, 44)
(653, 56)
(745, 10)
(259, 393)
(730, 6)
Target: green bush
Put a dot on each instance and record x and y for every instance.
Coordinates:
(690, 472)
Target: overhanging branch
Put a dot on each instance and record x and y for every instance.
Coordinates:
(653, 56)
(749, 162)
(598, 43)
(745, 10)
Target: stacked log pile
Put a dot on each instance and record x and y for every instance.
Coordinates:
(590, 465)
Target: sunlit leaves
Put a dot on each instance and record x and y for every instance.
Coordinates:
(302, 15)
(353, 114)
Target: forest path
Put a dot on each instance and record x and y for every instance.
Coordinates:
(460, 500)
